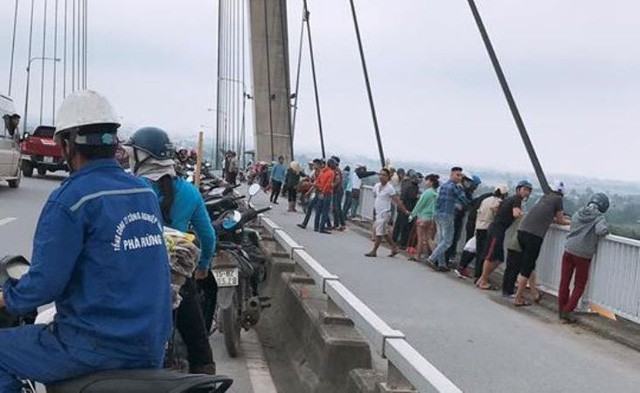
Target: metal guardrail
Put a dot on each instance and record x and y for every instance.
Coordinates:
(407, 368)
(614, 277)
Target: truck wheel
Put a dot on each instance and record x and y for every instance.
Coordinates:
(15, 183)
(42, 171)
(27, 168)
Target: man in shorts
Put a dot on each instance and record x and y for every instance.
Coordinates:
(493, 249)
(531, 233)
(385, 194)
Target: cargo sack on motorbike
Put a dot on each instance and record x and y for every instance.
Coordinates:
(183, 259)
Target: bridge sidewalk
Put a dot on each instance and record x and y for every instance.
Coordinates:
(622, 331)
(477, 339)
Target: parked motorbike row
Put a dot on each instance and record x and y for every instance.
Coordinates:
(239, 267)
(240, 264)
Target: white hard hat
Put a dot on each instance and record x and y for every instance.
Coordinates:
(83, 108)
(557, 186)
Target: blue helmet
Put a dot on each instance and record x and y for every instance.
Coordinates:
(154, 141)
(601, 201)
(524, 183)
(476, 180)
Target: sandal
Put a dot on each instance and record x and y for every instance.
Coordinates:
(394, 253)
(413, 259)
(488, 287)
(370, 255)
(538, 298)
(523, 303)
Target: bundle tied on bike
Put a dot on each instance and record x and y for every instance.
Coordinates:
(184, 255)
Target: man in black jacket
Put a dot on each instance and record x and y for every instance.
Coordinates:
(409, 194)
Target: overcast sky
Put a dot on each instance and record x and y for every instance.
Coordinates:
(574, 68)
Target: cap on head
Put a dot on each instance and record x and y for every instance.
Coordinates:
(524, 183)
(601, 201)
(84, 108)
(557, 186)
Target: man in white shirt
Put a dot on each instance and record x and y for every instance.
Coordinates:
(385, 194)
(354, 202)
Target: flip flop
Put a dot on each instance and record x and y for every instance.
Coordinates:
(523, 304)
(370, 255)
(537, 300)
(393, 253)
(488, 288)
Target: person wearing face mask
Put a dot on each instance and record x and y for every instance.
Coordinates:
(151, 158)
(99, 254)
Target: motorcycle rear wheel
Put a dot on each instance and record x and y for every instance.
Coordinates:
(231, 327)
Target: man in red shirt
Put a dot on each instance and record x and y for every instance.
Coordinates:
(324, 186)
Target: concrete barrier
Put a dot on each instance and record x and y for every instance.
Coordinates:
(286, 242)
(269, 225)
(321, 355)
(326, 330)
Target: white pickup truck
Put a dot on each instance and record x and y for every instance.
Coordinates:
(9, 143)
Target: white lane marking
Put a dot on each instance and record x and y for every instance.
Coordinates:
(259, 373)
(7, 220)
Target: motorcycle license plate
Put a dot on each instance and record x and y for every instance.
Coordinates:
(48, 160)
(226, 277)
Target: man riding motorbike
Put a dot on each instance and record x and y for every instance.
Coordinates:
(99, 254)
(151, 157)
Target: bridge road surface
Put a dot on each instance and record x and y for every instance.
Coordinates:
(19, 211)
(478, 340)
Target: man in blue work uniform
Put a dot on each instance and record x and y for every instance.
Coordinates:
(99, 254)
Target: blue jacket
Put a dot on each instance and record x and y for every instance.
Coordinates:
(99, 253)
(278, 172)
(188, 208)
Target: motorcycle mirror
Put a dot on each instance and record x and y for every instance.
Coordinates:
(254, 189)
(13, 267)
(231, 220)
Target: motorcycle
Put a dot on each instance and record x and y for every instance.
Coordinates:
(238, 269)
(13, 267)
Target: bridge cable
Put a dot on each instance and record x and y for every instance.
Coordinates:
(510, 100)
(229, 101)
(306, 18)
(295, 94)
(224, 70)
(26, 99)
(64, 62)
(236, 77)
(216, 152)
(366, 79)
(73, 47)
(245, 95)
(13, 47)
(44, 52)
(285, 42)
(55, 63)
(266, 35)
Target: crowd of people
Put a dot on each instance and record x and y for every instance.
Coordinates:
(426, 218)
